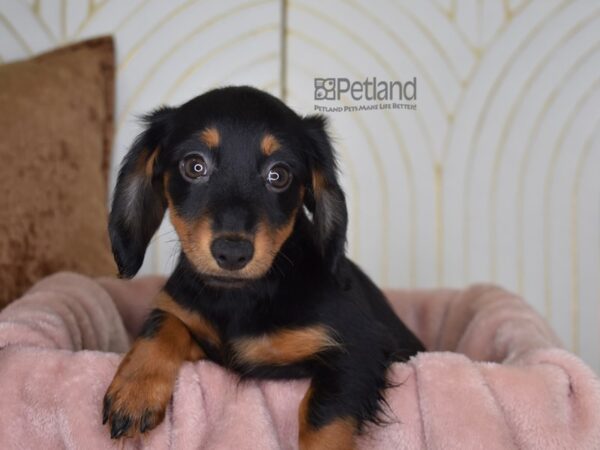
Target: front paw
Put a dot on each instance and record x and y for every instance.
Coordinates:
(137, 403)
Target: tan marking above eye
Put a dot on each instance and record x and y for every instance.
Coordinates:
(286, 346)
(211, 137)
(269, 144)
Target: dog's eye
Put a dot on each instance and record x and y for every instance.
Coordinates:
(193, 168)
(278, 177)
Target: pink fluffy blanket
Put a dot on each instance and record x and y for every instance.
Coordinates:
(496, 377)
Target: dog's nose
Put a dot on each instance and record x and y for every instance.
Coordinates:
(232, 254)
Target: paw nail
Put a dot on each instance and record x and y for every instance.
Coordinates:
(120, 425)
(146, 421)
(106, 410)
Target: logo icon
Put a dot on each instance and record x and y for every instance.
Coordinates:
(325, 89)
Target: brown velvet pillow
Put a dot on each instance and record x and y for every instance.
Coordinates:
(56, 121)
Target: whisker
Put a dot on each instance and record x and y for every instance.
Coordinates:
(287, 257)
(274, 265)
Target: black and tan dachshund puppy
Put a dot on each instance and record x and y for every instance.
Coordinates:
(262, 285)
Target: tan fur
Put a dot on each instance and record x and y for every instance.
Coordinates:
(211, 137)
(337, 435)
(137, 181)
(269, 144)
(149, 165)
(146, 376)
(304, 426)
(268, 242)
(197, 237)
(197, 324)
(285, 346)
(318, 183)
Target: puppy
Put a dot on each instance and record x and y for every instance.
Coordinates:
(262, 285)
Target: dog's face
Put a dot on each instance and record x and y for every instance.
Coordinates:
(233, 191)
(234, 167)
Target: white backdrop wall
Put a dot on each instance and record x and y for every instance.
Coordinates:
(494, 177)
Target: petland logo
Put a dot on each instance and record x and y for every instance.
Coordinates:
(380, 95)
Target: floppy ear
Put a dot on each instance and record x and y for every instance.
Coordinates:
(325, 198)
(139, 201)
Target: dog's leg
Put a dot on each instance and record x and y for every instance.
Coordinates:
(139, 394)
(343, 395)
(325, 433)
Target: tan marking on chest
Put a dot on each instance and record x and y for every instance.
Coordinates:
(285, 346)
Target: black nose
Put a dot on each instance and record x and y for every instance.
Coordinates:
(232, 254)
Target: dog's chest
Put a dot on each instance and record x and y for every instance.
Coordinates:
(283, 346)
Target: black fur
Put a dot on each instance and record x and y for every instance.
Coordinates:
(302, 286)
(130, 237)
(152, 323)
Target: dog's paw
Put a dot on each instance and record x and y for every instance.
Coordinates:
(136, 404)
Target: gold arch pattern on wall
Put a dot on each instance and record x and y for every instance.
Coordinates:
(205, 24)
(470, 187)
(483, 113)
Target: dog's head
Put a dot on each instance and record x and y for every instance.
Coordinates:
(235, 167)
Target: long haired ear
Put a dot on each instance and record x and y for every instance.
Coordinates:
(139, 202)
(325, 198)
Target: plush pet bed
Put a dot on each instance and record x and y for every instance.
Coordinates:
(496, 377)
